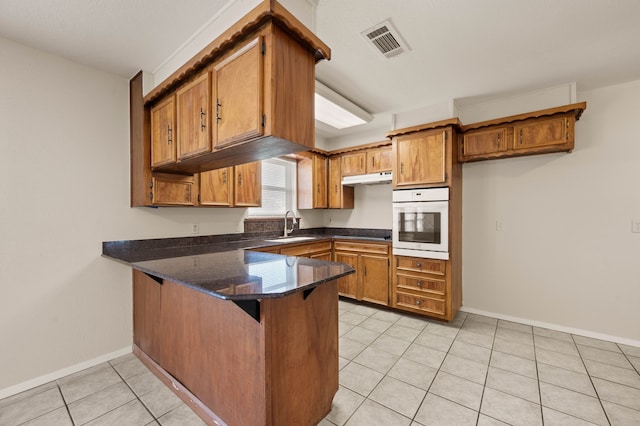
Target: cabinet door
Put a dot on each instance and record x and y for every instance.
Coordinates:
(248, 185)
(335, 183)
(379, 160)
(347, 285)
(320, 182)
(485, 142)
(216, 187)
(420, 158)
(163, 125)
(172, 190)
(193, 118)
(541, 133)
(237, 95)
(375, 279)
(340, 197)
(353, 164)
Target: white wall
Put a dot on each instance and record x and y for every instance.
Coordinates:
(567, 255)
(64, 188)
(372, 209)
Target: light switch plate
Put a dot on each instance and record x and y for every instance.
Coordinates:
(635, 225)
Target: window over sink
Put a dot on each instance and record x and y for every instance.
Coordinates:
(278, 188)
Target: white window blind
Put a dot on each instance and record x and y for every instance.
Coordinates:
(278, 188)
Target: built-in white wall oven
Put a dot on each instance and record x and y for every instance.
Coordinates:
(421, 223)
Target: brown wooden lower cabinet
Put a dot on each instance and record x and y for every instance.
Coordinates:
(316, 250)
(423, 286)
(280, 370)
(371, 262)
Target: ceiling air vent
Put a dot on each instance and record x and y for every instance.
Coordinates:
(386, 39)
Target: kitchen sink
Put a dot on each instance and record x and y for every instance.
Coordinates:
(290, 239)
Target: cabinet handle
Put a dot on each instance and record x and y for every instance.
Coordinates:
(373, 161)
(218, 107)
(418, 302)
(318, 188)
(498, 144)
(224, 176)
(239, 178)
(419, 283)
(188, 194)
(401, 167)
(360, 162)
(566, 135)
(169, 135)
(336, 188)
(418, 264)
(365, 271)
(520, 136)
(202, 120)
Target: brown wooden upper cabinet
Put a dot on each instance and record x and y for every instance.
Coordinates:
(340, 197)
(216, 187)
(248, 185)
(172, 190)
(194, 135)
(312, 181)
(367, 161)
(379, 159)
(354, 164)
(163, 127)
(485, 142)
(538, 132)
(422, 158)
(253, 102)
(237, 94)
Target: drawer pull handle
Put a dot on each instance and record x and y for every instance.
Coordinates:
(418, 302)
(419, 283)
(418, 264)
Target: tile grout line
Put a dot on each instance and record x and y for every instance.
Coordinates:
(66, 406)
(637, 370)
(486, 376)
(606, 416)
(535, 363)
(366, 397)
(134, 393)
(413, 419)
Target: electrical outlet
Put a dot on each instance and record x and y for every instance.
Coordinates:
(499, 226)
(635, 225)
(195, 228)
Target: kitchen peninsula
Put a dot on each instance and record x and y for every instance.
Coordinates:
(243, 337)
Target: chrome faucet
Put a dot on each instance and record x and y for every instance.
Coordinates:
(293, 224)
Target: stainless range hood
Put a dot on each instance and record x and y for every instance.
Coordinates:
(368, 179)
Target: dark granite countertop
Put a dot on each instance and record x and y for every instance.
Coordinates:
(245, 274)
(225, 267)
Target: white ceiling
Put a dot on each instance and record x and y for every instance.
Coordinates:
(461, 49)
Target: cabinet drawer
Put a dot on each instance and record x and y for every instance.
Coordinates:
(361, 247)
(420, 303)
(424, 284)
(306, 249)
(418, 264)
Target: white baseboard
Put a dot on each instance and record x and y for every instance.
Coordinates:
(30, 384)
(556, 327)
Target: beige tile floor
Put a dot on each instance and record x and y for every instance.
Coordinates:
(394, 370)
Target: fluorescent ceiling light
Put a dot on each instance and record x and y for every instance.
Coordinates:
(336, 111)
